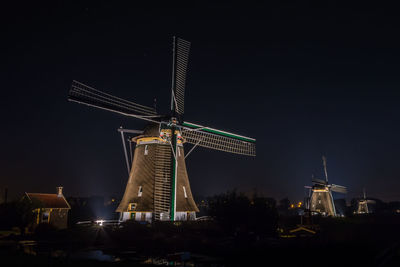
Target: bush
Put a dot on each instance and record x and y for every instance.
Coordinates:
(45, 230)
(236, 213)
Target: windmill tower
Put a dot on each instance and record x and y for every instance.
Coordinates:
(363, 204)
(158, 186)
(320, 199)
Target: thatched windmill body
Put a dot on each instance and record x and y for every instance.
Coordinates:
(320, 195)
(158, 186)
(365, 205)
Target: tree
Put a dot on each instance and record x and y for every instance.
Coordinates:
(18, 214)
(237, 213)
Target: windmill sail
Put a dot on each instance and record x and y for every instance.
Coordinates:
(339, 189)
(326, 172)
(180, 62)
(318, 181)
(84, 94)
(218, 140)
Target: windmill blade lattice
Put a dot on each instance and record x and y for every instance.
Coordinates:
(82, 93)
(319, 181)
(339, 189)
(182, 49)
(218, 142)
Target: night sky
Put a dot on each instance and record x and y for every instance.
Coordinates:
(305, 80)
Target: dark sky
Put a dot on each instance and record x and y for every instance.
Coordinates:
(305, 80)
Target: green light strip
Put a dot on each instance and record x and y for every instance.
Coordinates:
(173, 196)
(214, 131)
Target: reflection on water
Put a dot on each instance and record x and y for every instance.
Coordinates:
(28, 247)
(95, 254)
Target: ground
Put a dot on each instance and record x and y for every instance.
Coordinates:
(357, 241)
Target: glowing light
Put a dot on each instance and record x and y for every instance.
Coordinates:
(100, 222)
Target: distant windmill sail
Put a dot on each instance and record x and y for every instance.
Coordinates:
(325, 169)
(319, 181)
(339, 189)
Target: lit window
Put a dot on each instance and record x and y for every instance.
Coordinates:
(146, 150)
(179, 152)
(132, 206)
(184, 191)
(45, 217)
(140, 191)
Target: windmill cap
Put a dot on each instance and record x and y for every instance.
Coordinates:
(150, 130)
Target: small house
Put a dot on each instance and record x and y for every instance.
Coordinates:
(53, 208)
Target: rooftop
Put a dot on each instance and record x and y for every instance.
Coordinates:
(53, 201)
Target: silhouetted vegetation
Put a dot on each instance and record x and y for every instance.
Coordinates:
(18, 214)
(237, 213)
(243, 231)
(91, 208)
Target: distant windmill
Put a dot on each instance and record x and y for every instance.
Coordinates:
(158, 186)
(320, 194)
(364, 204)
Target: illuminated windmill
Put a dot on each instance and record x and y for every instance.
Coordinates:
(364, 204)
(158, 187)
(320, 195)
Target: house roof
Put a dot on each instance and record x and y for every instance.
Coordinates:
(301, 228)
(51, 201)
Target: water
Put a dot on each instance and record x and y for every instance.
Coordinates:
(104, 255)
(97, 255)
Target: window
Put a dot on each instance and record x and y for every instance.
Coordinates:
(132, 206)
(146, 150)
(184, 191)
(45, 217)
(179, 152)
(140, 191)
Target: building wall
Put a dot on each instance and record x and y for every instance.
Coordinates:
(141, 176)
(321, 201)
(59, 218)
(142, 179)
(185, 216)
(55, 217)
(137, 216)
(147, 216)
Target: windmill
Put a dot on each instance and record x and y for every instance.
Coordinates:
(365, 205)
(158, 186)
(320, 194)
